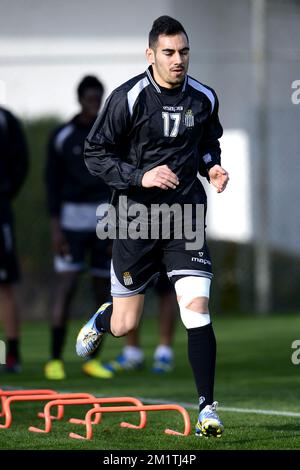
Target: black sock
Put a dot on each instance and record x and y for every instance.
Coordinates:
(202, 357)
(103, 320)
(13, 349)
(57, 341)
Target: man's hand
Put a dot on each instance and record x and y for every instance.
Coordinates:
(218, 177)
(160, 177)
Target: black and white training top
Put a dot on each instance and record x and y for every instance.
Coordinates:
(67, 178)
(143, 126)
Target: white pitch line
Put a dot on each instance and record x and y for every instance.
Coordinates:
(192, 406)
(294, 414)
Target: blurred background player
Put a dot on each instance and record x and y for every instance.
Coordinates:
(73, 196)
(13, 170)
(132, 356)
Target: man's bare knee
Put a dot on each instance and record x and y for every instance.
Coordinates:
(126, 314)
(198, 304)
(122, 328)
(194, 313)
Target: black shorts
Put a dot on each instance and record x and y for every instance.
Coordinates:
(9, 266)
(136, 264)
(83, 245)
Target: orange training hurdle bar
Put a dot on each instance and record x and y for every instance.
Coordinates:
(52, 396)
(123, 409)
(85, 401)
(9, 393)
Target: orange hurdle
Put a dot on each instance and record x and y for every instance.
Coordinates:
(85, 401)
(123, 409)
(8, 393)
(41, 397)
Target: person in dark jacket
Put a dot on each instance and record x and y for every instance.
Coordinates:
(13, 171)
(73, 196)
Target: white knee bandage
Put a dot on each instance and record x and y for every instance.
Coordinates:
(189, 288)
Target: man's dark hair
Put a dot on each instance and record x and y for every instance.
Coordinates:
(89, 82)
(167, 26)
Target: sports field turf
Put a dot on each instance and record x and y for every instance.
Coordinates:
(254, 371)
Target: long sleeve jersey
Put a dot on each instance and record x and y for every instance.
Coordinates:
(13, 156)
(67, 178)
(143, 126)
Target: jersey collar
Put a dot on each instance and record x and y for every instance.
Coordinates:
(153, 82)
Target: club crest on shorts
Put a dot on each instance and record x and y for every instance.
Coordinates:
(189, 118)
(127, 278)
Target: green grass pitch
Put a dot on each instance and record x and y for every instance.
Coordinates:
(254, 371)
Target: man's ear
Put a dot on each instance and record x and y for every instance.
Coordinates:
(150, 55)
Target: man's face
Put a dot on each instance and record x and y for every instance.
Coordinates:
(170, 60)
(90, 102)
